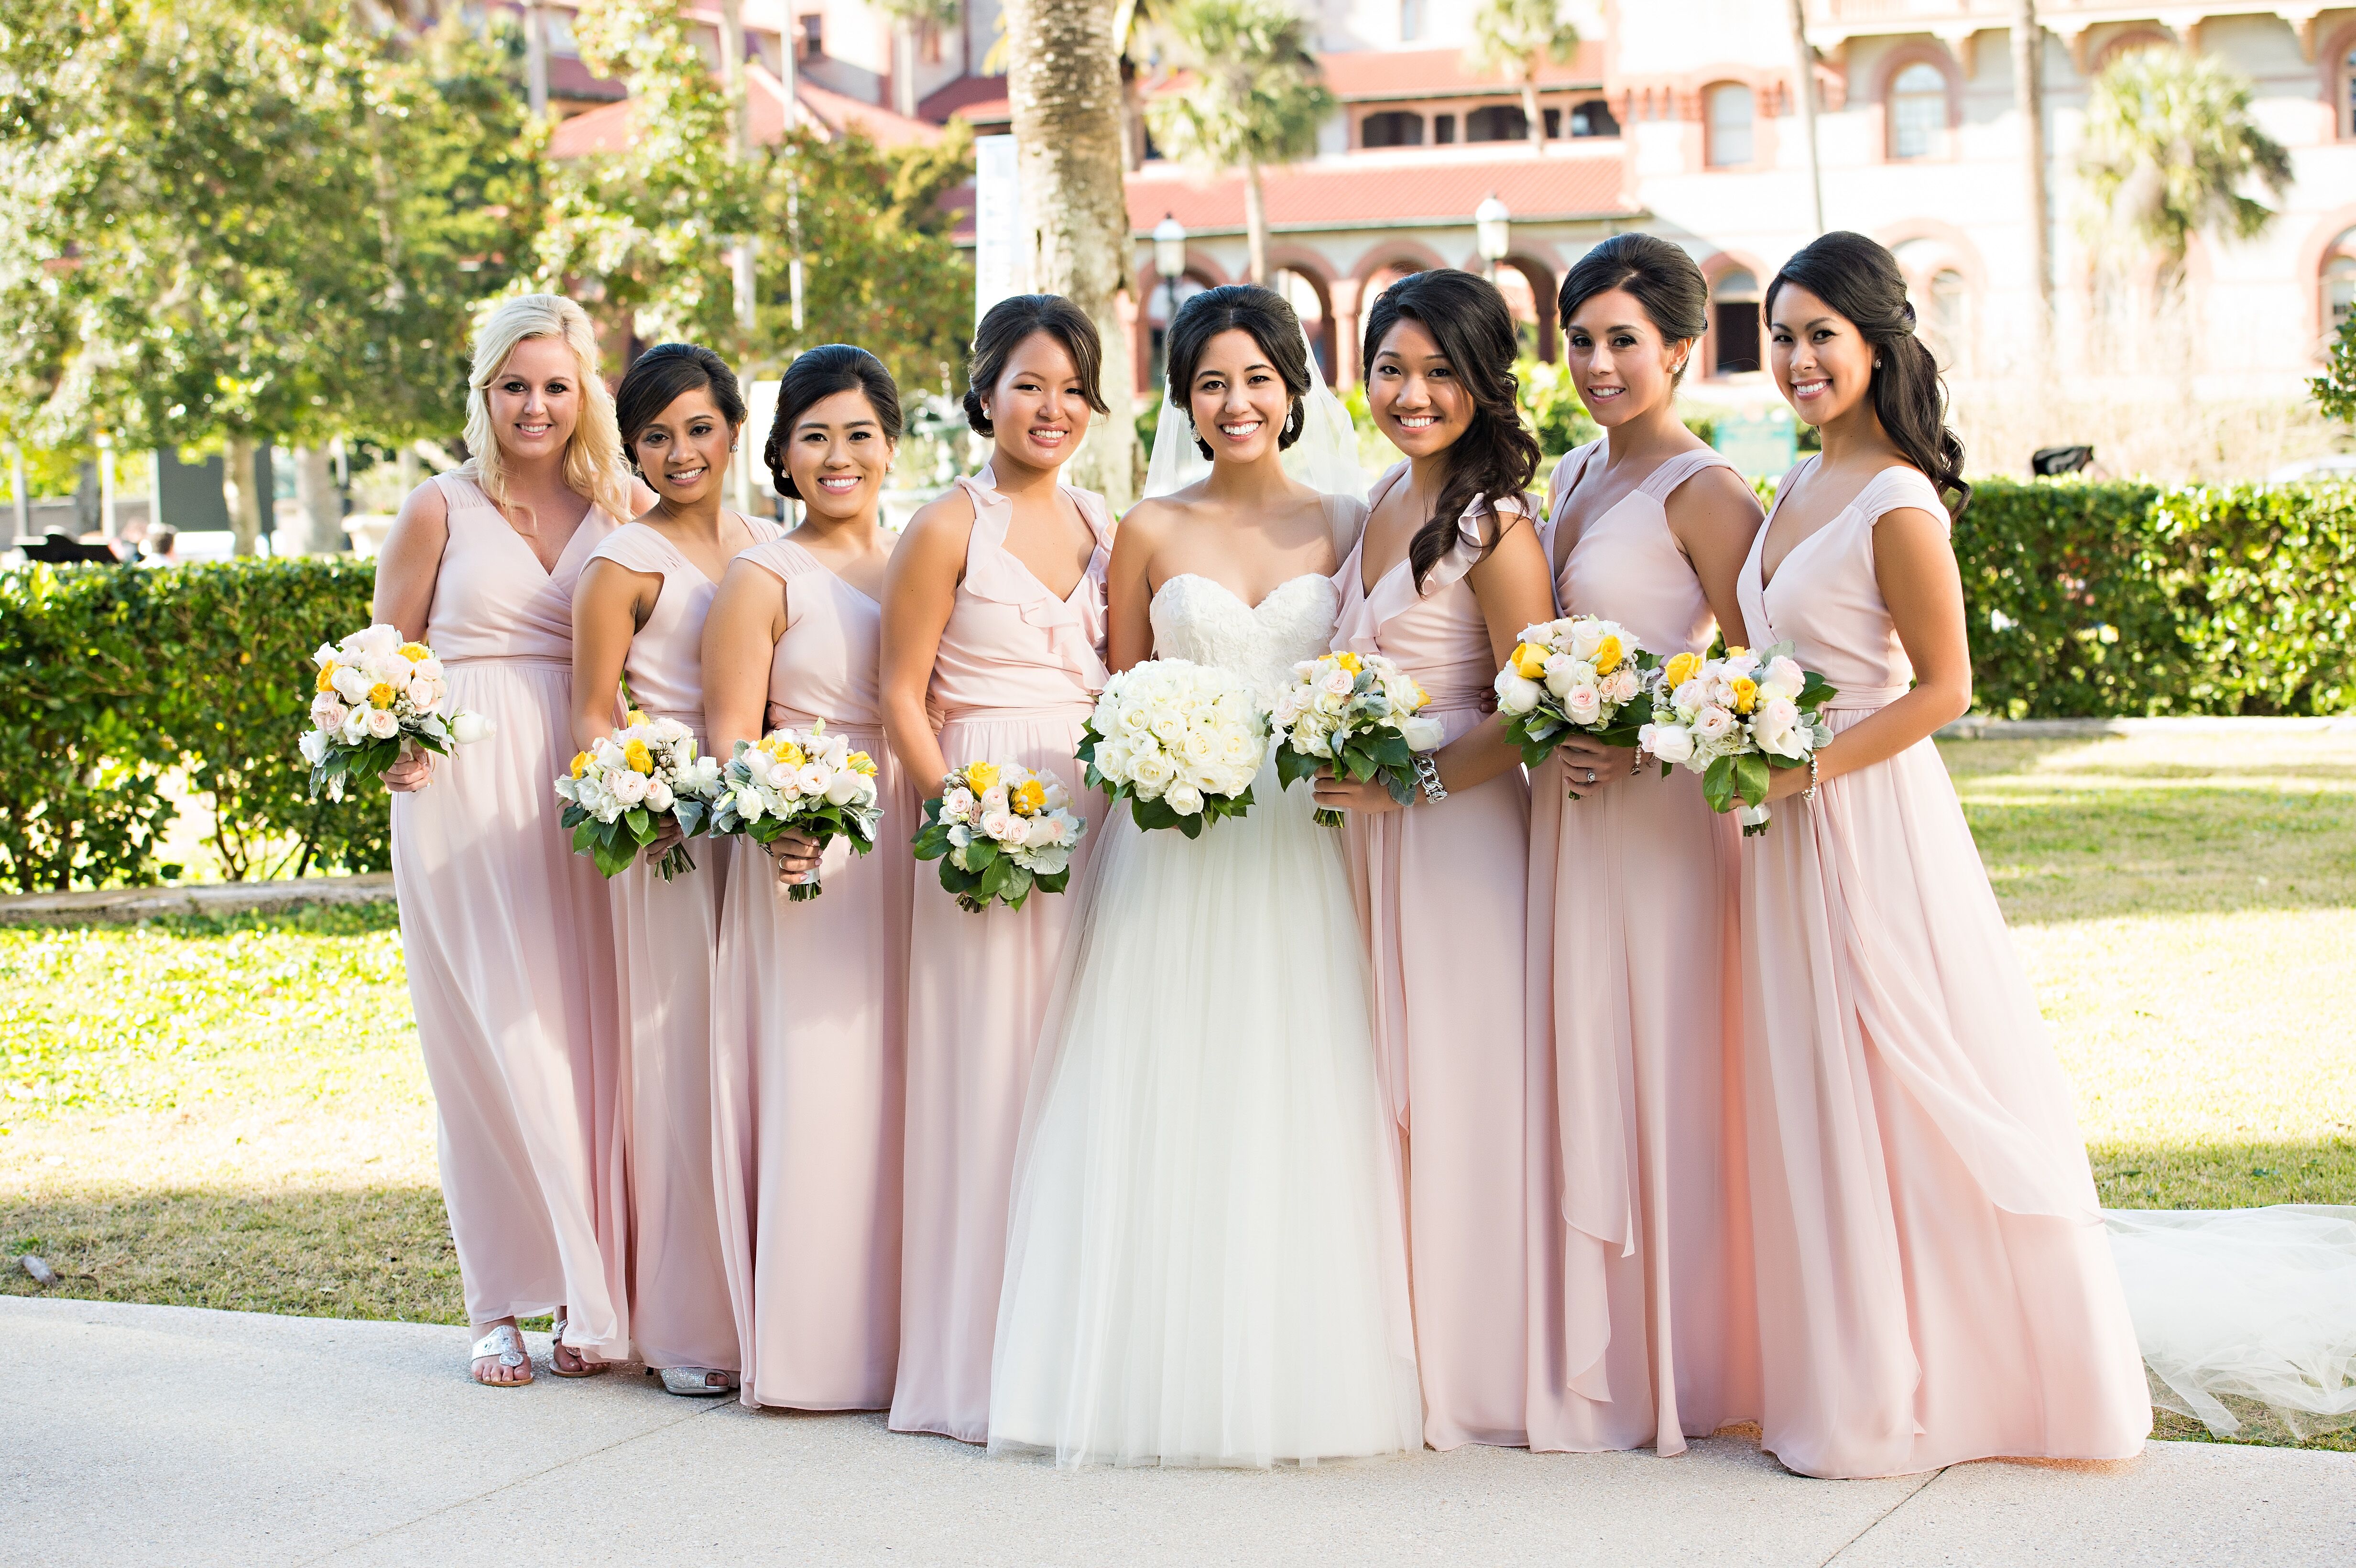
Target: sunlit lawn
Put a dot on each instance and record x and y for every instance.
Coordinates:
(233, 1114)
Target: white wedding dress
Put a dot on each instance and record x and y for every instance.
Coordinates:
(1204, 1258)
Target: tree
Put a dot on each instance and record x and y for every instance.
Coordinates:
(1252, 95)
(1804, 98)
(1514, 39)
(2335, 390)
(1063, 80)
(2170, 147)
(2029, 99)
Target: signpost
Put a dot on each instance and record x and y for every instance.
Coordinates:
(1000, 268)
(1762, 446)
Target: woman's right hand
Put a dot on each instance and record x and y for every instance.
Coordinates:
(413, 771)
(1587, 764)
(794, 854)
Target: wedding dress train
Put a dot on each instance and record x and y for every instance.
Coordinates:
(1206, 1264)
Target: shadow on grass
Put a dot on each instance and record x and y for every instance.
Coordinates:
(381, 1253)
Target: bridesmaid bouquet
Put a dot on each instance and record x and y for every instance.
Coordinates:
(375, 697)
(1182, 741)
(999, 830)
(623, 789)
(803, 779)
(1579, 674)
(1735, 720)
(1355, 713)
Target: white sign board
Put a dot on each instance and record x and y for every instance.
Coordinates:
(1000, 265)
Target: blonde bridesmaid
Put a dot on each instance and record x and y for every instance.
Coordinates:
(503, 928)
(1934, 1283)
(994, 651)
(1446, 575)
(639, 615)
(1642, 1330)
(808, 999)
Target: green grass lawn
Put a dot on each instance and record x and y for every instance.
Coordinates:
(232, 1114)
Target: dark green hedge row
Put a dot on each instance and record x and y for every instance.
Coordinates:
(110, 678)
(2125, 599)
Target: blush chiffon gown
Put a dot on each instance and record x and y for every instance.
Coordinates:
(508, 944)
(1014, 678)
(1934, 1283)
(664, 937)
(809, 1003)
(1643, 1329)
(1441, 892)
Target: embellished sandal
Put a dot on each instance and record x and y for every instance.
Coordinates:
(697, 1383)
(505, 1342)
(557, 1347)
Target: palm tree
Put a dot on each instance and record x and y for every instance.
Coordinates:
(1514, 38)
(1064, 79)
(1255, 96)
(2169, 149)
(909, 18)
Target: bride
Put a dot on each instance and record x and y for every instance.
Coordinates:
(1204, 1261)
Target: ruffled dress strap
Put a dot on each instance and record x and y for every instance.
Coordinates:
(1364, 614)
(1075, 625)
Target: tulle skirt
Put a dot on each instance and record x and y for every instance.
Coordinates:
(1206, 1264)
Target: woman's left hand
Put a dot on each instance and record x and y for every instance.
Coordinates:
(1785, 783)
(1369, 799)
(794, 854)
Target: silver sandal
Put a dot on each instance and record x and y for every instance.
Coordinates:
(506, 1343)
(589, 1369)
(697, 1383)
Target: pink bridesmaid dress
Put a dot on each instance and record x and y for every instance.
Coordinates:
(1014, 678)
(807, 1007)
(1641, 1327)
(664, 937)
(1934, 1284)
(1441, 891)
(506, 936)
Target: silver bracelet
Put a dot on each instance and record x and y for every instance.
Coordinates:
(1427, 774)
(1810, 792)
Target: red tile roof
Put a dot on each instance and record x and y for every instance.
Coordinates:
(608, 128)
(1364, 193)
(1441, 73)
(981, 99)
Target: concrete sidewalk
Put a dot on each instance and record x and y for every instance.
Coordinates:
(169, 1435)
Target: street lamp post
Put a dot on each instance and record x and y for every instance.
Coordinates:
(1492, 228)
(1169, 260)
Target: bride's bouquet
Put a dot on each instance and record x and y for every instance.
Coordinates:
(806, 780)
(1182, 741)
(1581, 674)
(376, 696)
(999, 831)
(1734, 721)
(1358, 714)
(623, 790)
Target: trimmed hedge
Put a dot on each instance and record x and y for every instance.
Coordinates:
(111, 676)
(2084, 599)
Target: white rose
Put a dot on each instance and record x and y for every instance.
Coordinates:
(379, 638)
(1152, 770)
(994, 798)
(1776, 728)
(628, 787)
(1197, 746)
(382, 724)
(1311, 741)
(1782, 678)
(1669, 742)
(957, 803)
(1424, 734)
(1515, 693)
(468, 728)
(1620, 687)
(313, 746)
(327, 655)
(845, 787)
(1287, 709)
(660, 796)
(350, 684)
(1336, 681)
(1041, 832)
(813, 778)
(1583, 703)
(960, 835)
(1184, 799)
(326, 713)
(1713, 724)
(1058, 797)
(1002, 825)
(748, 804)
(1586, 637)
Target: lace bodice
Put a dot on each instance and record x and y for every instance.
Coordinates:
(1197, 619)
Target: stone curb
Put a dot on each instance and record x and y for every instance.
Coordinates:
(125, 906)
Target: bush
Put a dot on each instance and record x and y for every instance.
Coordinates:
(110, 677)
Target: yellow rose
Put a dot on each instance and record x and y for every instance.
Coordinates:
(1529, 661)
(1681, 668)
(1421, 695)
(326, 676)
(414, 652)
(641, 761)
(1028, 798)
(580, 764)
(633, 719)
(860, 763)
(380, 694)
(789, 755)
(1736, 650)
(980, 776)
(1349, 662)
(1607, 656)
(1746, 693)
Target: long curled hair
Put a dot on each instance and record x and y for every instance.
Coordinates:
(1273, 324)
(1660, 276)
(1859, 279)
(815, 375)
(593, 455)
(1496, 456)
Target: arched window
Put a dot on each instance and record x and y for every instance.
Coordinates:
(1161, 302)
(2338, 283)
(1497, 123)
(1951, 320)
(1391, 128)
(1593, 118)
(2346, 107)
(1307, 303)
(1918, 112)
(1734, 323)
(1730, 107)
